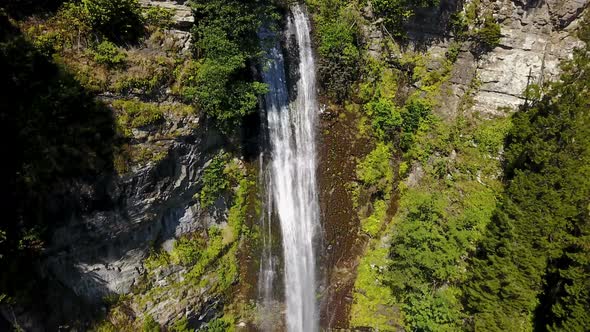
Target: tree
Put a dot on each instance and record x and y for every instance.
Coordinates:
(533, 265)
(118, 20)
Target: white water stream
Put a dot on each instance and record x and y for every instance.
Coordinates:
(292, 180)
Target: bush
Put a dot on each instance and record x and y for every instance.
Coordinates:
(396, 12)
(415, 112)
(158, 16)
(214, 180)
(150, 324)
(69, 27)
(338, 34)
(116, 19)
(136, 114)
(386, 119)
(338, 65)
(488, 36)
(226, 40)
(107, 53)
(218, 325)
(375, 168)
(181, 326)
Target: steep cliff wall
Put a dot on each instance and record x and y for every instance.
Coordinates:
(104, 228)
(471, 91)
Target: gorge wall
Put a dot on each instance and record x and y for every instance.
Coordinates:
(117, 249)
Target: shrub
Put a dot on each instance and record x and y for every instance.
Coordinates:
(214, 180)
(107, 53)
(385, 118)
(338, 65)
(414, 113)
(68, 28)
(116, 19)
(488, 36)
(150, 324)
(375, 169)
(181, 326)
(135, 114)
(396, 12)
(226, 40)
(158, 16)
(372, 224)
(218, 325)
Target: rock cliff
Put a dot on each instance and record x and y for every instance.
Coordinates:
(535, 37)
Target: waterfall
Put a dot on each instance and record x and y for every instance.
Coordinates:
(292, 178)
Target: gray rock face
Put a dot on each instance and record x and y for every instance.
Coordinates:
(183, 17)
(565, 12)
(530, 51)
(100, 252)
(535, 39)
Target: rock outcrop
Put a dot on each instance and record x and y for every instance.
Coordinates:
(182, 18)
(534, 41)
(535, 38)
(99, 253)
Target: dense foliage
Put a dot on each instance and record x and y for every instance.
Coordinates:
(338, 35)
(227, 45)
(533, 266)
(116, 19)
(469, 249)
(396, 12)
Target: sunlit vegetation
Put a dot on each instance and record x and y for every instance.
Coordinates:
(210, 256)
(339, 50)
(488, 232)
(227, 44)
(531, 269)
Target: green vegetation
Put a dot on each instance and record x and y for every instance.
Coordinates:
(396, 12)
(468, 249)
(480, 28)
(374, 306)
(218, 325)
(488, 35)
(337, 23)
(226, 43)
(214, 179)
(531, 269)
(119, 20)
(107, 53)
(210, 257)
(158, 17)
(150, 324)
(181, 326)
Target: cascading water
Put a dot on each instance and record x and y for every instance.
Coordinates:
(292, 180)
